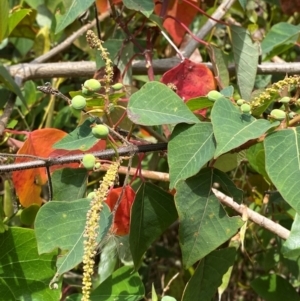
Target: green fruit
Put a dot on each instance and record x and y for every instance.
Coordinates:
(298, 101)
(292, 115)
(245, 108)
(78, 102)
(88, 161)
(117, 86)
(97, 165)
(278, 114)
(91, 195)
(214, 95)
(100, 131)
(239, 102)
(92, 85)
(285, 99)
(86, 92)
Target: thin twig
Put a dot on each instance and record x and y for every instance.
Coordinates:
(206, 28)
(257, 218)
(67, 42)
(148, 174)
(7, 112)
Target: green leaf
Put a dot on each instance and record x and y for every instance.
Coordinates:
(4, 13)
(246, 60)
(156, 104)
(274, 288)
(220, 63)
(81, 138)
(124, 284)
(256, 157)
(16, 18)
(190, 147)
(281, 33)
(76, 8)
(232, 128)
(228, 91)
(203, 222)
(10, 84)
(69, 184)
(208, 275)
(227, 162)
(199, 103)
(25, 275)
(153, 211)
(291, 247)
(144, 6)
(108, 259)
(61, 225)
(283, 165)
(243, 3)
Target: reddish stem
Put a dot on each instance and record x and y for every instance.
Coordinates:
(203, 12)
(188, 30)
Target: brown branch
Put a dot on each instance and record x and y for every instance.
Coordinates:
(87, 69)
(252, 215)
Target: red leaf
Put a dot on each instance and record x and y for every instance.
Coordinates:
(122, 217)
(183, 12)
(28, 183)
(190, 80)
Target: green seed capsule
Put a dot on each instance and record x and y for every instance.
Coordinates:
(91, 195)
(278, 114)
(100, 131)
(92, 85)
(78, 102)
(88, 161)
(117, 86)
(285, 99)
(97, 165)
(86, 92)
(214, 95)
(245, 108)
(239, 102)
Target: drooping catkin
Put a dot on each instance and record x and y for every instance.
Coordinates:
(92, 228)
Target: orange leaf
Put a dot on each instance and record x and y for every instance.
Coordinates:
(183, 12)
(28, 183)
(103, 5)
(122, 217)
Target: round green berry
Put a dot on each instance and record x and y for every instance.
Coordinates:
(245, 108)
(86, 91)
(78, 102)
(292, 115)
(240, 102)
(117, 86)
(285, 99)
(92, 85)
(214, 95)
(91, 195)
(100, 131)
(97, 165)
(88, 161)
(278, 114)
